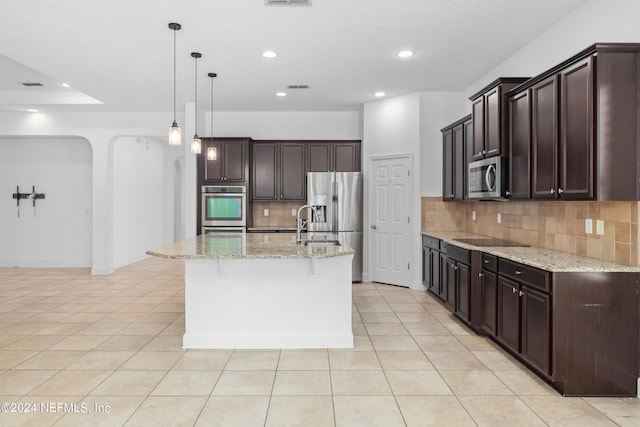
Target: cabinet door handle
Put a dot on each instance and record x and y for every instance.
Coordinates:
(514, 290)
(560, 191)
(486, 261)
(520, 293)
(479, 274)
(552, 191)
(518, 273)
(507, 193)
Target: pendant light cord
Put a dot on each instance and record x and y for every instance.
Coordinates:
(174, 77)
(212, 75)
(196, 107)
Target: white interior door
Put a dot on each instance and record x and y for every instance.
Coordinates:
(390, 220)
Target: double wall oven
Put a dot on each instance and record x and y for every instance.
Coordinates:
(224, 209)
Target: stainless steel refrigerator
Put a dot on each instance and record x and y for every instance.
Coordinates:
(337, 197)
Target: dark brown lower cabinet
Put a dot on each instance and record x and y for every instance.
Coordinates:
(595, 333)
(488, 283)
(524, 313)
(431, 264)
(463, 291)
(536, 328)
(508, 331)
(579, 331)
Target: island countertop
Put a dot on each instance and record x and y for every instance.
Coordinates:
(545, 259)
(249, 246)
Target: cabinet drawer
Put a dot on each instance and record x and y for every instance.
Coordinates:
(489, 262)
(459, 254)
(525, 274)
(430, 242)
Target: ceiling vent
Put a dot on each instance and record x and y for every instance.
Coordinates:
(32, 84)
(287, 2)
(298, 86)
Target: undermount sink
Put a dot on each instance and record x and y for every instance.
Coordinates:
(321, 243)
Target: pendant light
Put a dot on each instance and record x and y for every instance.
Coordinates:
(196, 143)
(212, 152)
(175, 134)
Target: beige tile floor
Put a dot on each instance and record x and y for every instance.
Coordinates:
(82, 350)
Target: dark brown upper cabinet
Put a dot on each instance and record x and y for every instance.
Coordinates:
(231, 165)
(489, 112)
(520, 146)
(330, 156)
(584, 124)
(455, 139)
(346, 156)
(292, 171)
(279, 168)
(264, 164)
(278, 171)
(544, 139)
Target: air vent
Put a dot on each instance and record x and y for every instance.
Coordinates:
(32, 84)
(298, 86)
(287, 2)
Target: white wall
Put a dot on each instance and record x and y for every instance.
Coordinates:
(409, 124)
(111, 244)
(57, 232)
(286, 124)
(437, 110)
(595, 21)
(139, 206)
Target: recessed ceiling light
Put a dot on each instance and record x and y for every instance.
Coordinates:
(379, 94)
(64, 84)
(281, 94)
(32, 110)
(405, 54)
(269, 54)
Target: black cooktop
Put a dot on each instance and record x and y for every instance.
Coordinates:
(488, 241)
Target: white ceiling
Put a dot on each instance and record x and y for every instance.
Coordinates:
(117, 55)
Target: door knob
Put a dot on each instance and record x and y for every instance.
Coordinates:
(373, 226)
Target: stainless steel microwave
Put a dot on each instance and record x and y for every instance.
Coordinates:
(487, 179)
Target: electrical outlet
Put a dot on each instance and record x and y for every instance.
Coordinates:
(294, 212)
(473, 215)
(499, 218)
(266, 212)
(600, 227)
(588, 226)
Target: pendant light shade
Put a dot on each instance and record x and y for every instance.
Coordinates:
(196, 143)
(175, 134)
(212, 152)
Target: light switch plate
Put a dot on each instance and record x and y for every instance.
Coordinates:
(499, 218)
(293, 212)
(473, 215)
(600, 227)
(266, 212)
(588, 226)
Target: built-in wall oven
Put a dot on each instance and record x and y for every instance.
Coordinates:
(224, 209)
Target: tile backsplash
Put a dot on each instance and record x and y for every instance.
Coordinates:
(553, 225)
(279, 214)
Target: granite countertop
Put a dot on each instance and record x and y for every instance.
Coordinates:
(272, 229)
(249, 246)
(545, 259)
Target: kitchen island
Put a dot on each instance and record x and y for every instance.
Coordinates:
(262, 290)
